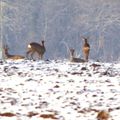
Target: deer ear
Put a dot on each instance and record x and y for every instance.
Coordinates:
(84, 37)
(71, 49)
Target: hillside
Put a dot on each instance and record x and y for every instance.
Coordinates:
(58, 90)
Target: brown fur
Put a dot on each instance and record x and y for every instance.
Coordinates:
(86, 49)
(103, 115)
(73, 58)
(9, 56)
(36, 47)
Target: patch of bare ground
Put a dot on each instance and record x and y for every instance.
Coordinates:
(7, 114)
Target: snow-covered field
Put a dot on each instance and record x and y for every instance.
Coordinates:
(58, 90)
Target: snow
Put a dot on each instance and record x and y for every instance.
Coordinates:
(58, 89)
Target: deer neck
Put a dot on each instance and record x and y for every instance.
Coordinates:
(86, 41)
(7, 54)
(43, 45)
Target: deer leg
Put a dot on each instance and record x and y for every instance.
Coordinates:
(27, 54)
(32, 53)
(40, 56)
(86, 56)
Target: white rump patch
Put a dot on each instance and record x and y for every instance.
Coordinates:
(29, 46)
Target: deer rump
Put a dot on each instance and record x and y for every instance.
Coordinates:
(35, 48)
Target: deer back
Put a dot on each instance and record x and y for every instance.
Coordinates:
(73, 58)
(9, 56)
(36, 47)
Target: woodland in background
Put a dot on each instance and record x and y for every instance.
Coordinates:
(61, 23)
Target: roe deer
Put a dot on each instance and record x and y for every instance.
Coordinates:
(103, 115)
(86, 49)
(9, 56)
(73, 58)
(36, 47)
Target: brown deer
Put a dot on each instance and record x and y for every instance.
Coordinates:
(86, 49)
(36, 47)
(9, 56)
(73, 58)
(103, 115)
